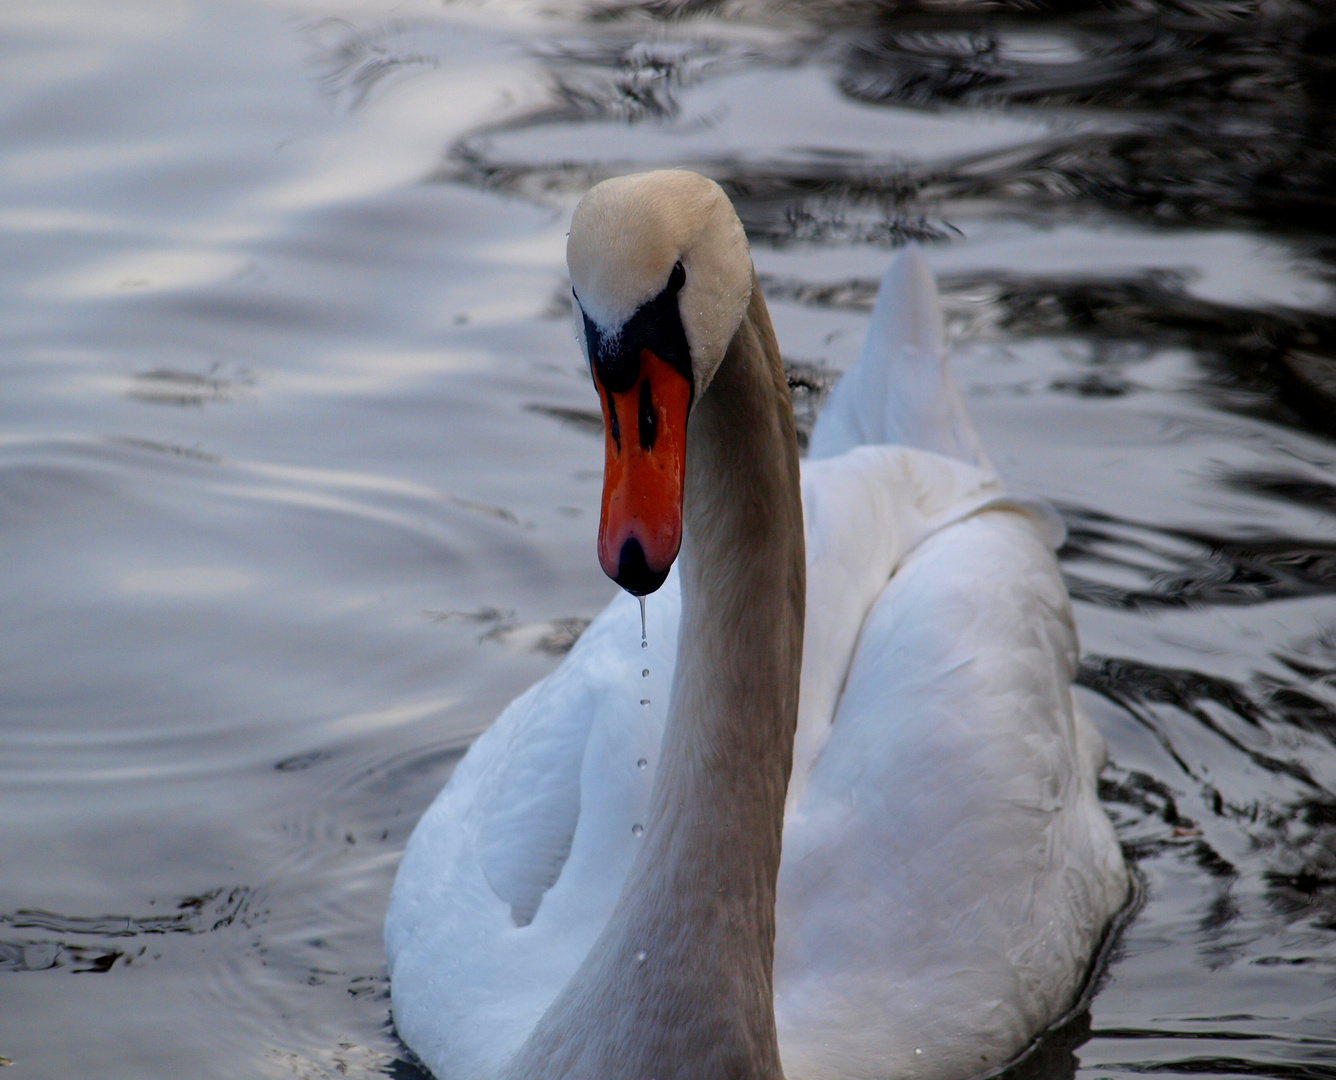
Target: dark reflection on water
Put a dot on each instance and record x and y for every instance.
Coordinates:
(215, 910)
(1274, 364)
(1184, 569)
(1235, 116)
(299, 466)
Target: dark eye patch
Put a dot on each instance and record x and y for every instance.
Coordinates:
(656, 325)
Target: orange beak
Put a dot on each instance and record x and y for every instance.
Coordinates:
(645, 441)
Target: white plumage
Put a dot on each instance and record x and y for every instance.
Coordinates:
(947, 870)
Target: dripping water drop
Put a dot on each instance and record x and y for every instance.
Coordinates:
(645, 674)
(644, 701)
(641, 763)
(640, 957)
(637, 829)
(644, 640)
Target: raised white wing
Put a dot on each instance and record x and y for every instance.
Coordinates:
(900, 393)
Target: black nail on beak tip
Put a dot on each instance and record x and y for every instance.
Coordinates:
(634, 574)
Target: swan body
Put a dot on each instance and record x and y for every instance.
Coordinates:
(947, 871)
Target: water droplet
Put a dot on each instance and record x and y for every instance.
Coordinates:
(637, 829)
(640, 957)
(644, 641)
(645, 674)
(917, 1050)
(641, 763)
(644, 701)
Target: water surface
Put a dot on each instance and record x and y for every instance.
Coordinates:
(299, 467)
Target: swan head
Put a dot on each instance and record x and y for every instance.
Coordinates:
(662, 276)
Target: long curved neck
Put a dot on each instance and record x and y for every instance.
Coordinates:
(680, 982)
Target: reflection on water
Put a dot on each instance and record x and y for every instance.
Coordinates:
(299, 466)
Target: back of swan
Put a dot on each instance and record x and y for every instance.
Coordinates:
(948, 870)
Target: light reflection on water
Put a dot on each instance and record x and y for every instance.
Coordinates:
(299, 466)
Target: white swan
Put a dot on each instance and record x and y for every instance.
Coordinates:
(598, 891)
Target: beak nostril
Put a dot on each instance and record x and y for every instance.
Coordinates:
(614, 428)
(649, 419)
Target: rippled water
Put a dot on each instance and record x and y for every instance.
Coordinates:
(299, 465)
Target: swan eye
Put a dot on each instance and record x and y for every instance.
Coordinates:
(649, 420)
(677, 278)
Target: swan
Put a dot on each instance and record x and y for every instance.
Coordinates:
(835, 816)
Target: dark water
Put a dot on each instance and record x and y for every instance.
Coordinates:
(299, 467)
